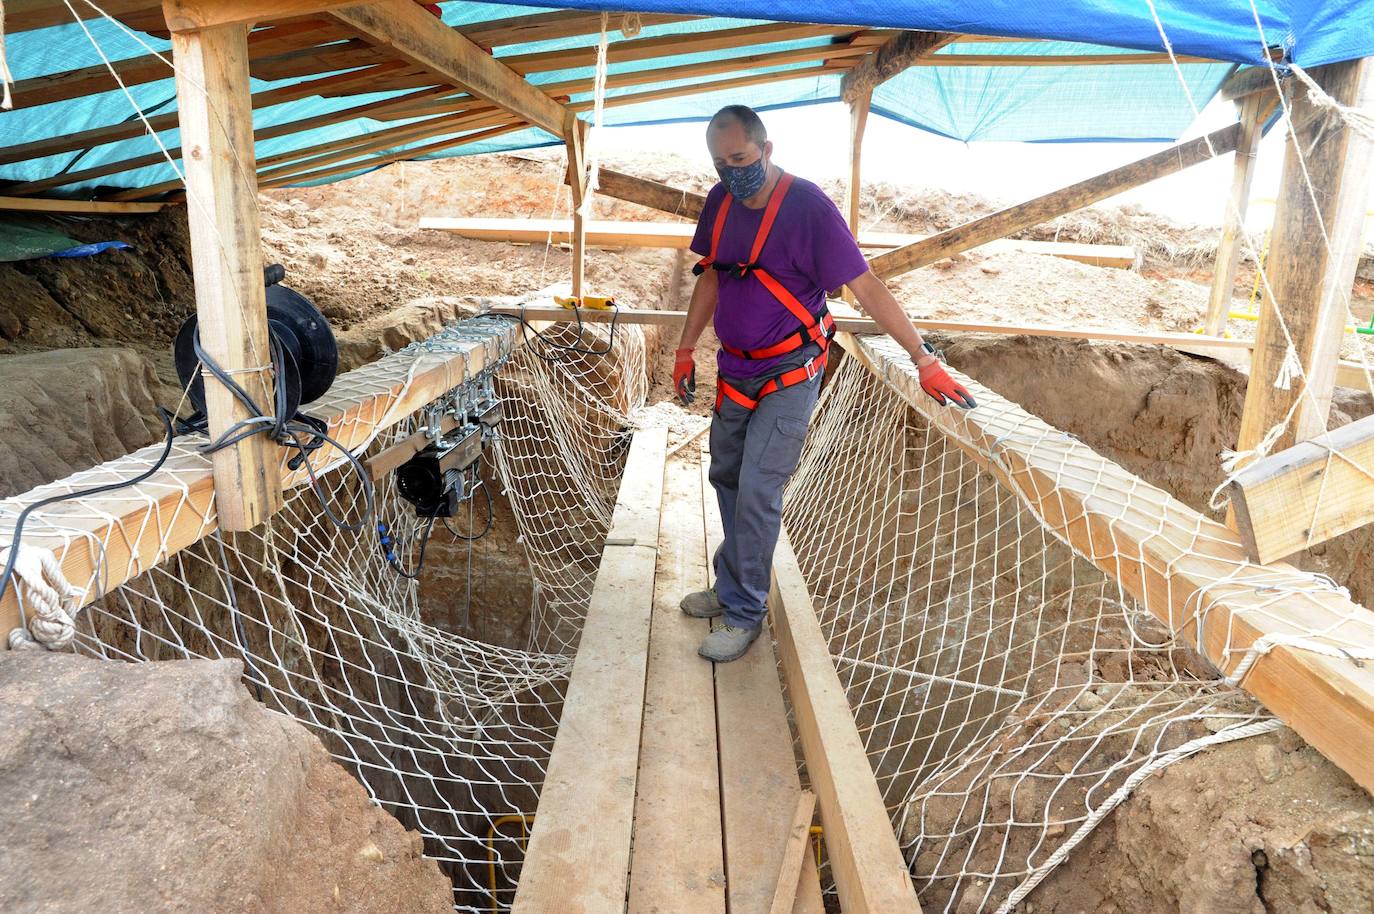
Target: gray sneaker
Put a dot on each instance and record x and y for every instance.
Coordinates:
(728, 643)
(702, 605)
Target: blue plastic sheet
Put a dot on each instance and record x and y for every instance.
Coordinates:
(1032, 103)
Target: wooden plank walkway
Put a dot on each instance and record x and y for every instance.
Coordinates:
(673, 784)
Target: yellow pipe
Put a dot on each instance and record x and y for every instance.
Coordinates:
(525, 822)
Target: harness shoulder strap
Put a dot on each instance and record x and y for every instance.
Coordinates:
(717, 230)
(770, 215)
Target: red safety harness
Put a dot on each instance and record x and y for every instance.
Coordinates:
(813, 329)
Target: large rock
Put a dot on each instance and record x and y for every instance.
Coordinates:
(70, 409)
(164, 787)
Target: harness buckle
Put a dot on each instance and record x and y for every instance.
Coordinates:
(811, 370)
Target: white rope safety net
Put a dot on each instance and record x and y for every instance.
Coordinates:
(448, 733)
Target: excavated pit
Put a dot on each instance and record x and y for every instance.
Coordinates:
(1257, 826)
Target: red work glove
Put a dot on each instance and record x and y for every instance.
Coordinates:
(685, 374)
(944, 389)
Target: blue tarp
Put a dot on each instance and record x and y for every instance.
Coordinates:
(1033, 103)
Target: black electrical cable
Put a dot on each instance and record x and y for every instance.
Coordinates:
(81, 493)
(563, 350)
(395, 562)
(491, 518)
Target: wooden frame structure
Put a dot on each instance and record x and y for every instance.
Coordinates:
(457, 93)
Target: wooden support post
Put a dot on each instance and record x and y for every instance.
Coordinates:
(575, 137)
(1254, 109)
(648, 193)
(1313, 252)
(1074, 197)
(858, 120)
(1305, 495)
(865, 859)
(226, 253)
(894, 56)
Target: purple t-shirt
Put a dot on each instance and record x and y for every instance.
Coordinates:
(810, 251)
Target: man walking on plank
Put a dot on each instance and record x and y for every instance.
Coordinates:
(771, 245)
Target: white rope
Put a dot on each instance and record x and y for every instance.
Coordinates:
(1230, 734)
(593, 149)
(1358, 120)
(6, 77)
(48, 599)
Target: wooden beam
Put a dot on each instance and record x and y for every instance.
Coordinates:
(865, 859)
(1043, 208)
(553, 25)
(1254, 109)
(858, 120)
(734, 64)
(678, 235)
(536, 311)
(785, 897)
(103, 543)
(678, 862)
(1307, 494)
(892, 58)
(1055, 60)
(113, 133)
(579, 851)
(1314, 250)
(404, 28)
(190, 15)
(226, 261)
(670, 45)
(648, 193)
(299, 177)
(1250, 80)
(759, 785)
(1188, 571)
(176, 152)
(27, 15)
(575, 141)
(86, 207)
(134, 71)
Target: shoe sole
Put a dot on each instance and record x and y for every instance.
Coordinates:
(735, 656)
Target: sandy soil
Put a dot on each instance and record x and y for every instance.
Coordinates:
(356, 249)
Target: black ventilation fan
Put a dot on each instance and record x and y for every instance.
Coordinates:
(310, 357)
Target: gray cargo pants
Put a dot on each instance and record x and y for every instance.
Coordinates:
(753, 454)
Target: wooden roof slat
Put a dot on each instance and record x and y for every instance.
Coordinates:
(27, 15)
(85, 139)
(671, 45)
(131, 71)
(265, 133)
(553, 25)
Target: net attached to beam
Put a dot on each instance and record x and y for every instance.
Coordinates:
(448, 733)
(1009, 693)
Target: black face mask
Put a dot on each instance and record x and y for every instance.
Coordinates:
(744, 181)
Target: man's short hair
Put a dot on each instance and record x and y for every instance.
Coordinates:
(747, 117)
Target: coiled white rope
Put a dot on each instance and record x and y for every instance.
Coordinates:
(1357, 119)
(49, 600)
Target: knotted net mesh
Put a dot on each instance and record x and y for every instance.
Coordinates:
(1009, 692)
